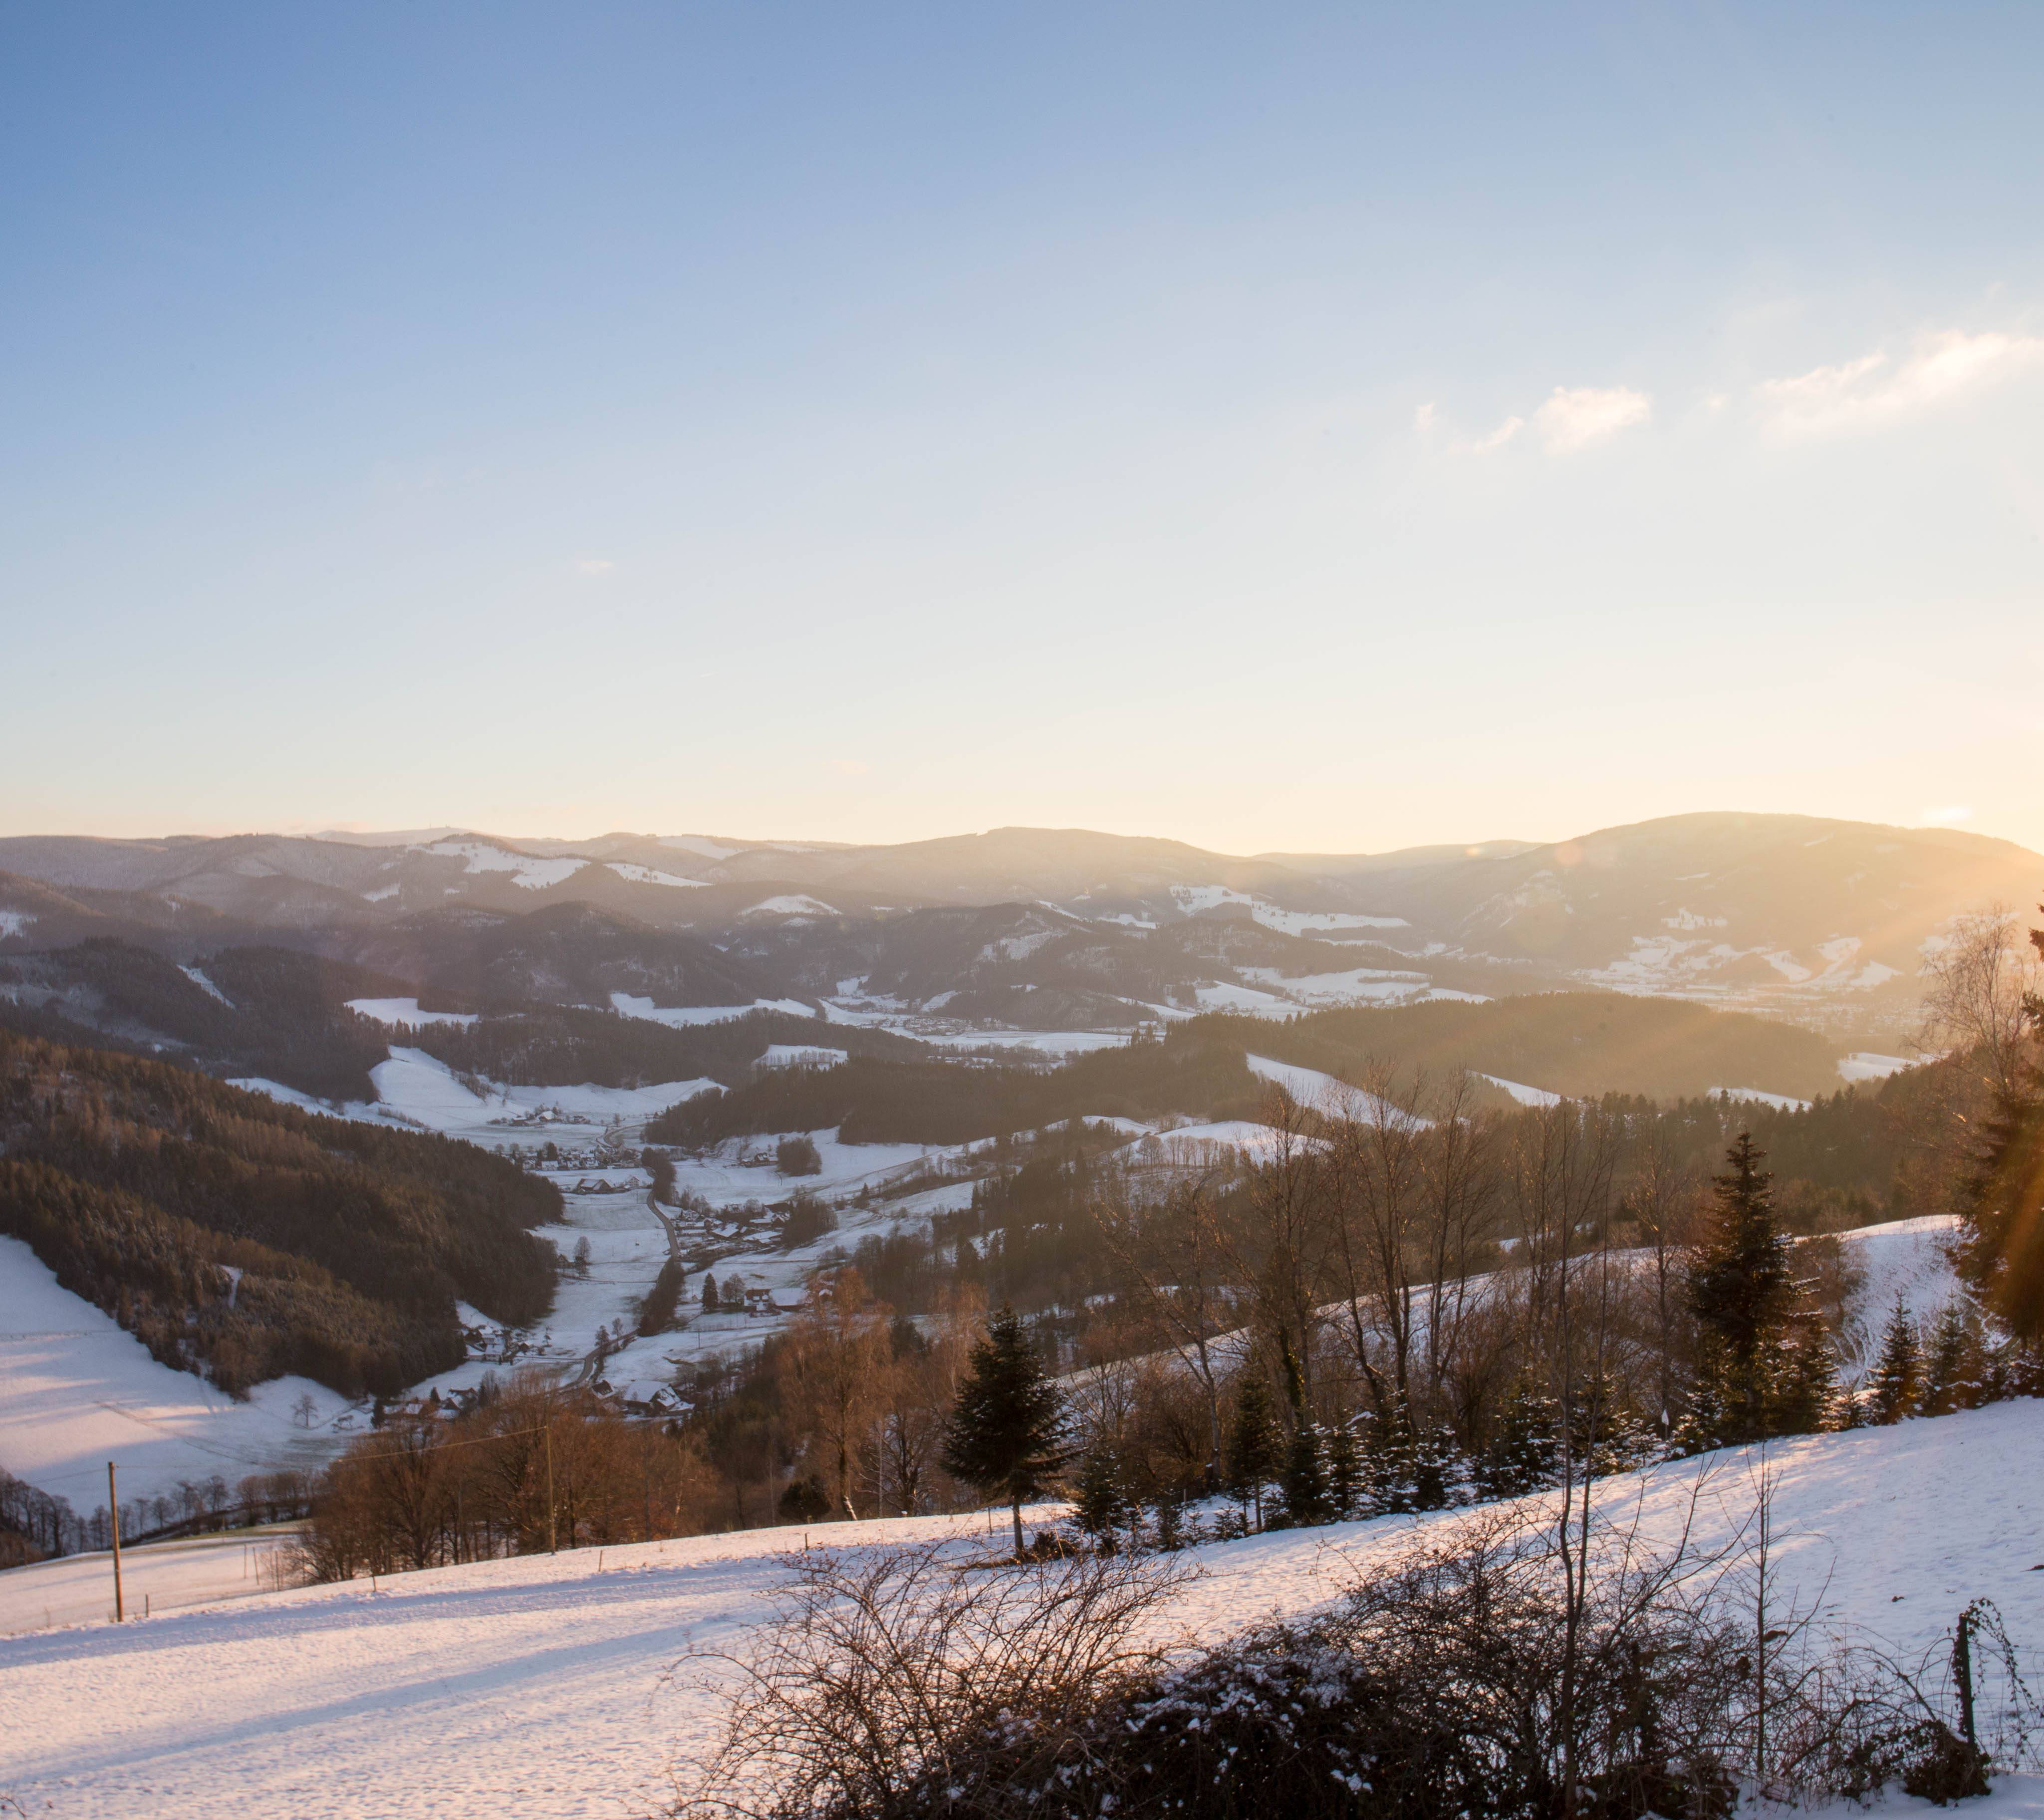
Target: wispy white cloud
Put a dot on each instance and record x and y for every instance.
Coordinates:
(1874, 391)
(1498, 437)
(594, 565)
(1576, 417)
(1944, 817)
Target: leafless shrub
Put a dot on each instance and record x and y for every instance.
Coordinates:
(1481, 1672)
(882, 1676)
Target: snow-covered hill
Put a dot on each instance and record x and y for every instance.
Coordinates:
(76, 1392)
(539, 1687)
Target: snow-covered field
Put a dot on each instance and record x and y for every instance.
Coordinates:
(76, 1392)
(155, 1578)
(541, 1686)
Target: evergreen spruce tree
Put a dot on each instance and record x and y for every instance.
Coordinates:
(1806, 1392)
(1522, 1454)
(1741, 1291)
(1007, 1434)
(1171, 1520)
(1952, 1371)
(1848, 1411)
(1440, 1474)
(1896, 1376)
(1255, 1448)
(805, 1501)
(1707, 1419)
(1308, 1496)
(1101, 1506)
(1391, 1468)
(1345, 1483)
(709, 1303)
(1609, 1434)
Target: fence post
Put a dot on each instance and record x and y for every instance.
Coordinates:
(1962, 1672)
(114, 1516)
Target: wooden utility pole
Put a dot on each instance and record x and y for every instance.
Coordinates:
(553, 1540)
(113, 1517)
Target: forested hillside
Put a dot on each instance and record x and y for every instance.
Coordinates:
(243, 1240)
(1194, 1070)
(267, 1011)
(1578, 1044)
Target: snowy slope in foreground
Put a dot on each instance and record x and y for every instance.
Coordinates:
(538, 1687)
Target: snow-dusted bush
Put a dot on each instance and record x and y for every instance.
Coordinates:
(1488, 1674)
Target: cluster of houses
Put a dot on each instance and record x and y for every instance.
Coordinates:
(646, 1396)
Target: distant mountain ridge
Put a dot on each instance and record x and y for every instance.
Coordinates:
(1823, 921)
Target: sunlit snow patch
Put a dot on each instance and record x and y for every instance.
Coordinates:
(1327, 1093)
(527, 872)
(646, 875)
(1226, 996)
(1318, 922)
(1781, 1102)
(800, 1055)
(404, 1014)
(206, 986)
(1524, 1095)
(424, 1087)
(681, 1016)
(797, 904)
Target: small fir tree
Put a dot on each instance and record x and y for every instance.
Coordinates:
(1440, 1473)
(709, 1298)
(1101, 1505)
(1707, 1417)
(1897, 1374)
(1595, 1416)
(1952, 1364)
(1806, 1396)
(1345, 1471)
(805, 1501)
(1007, 1430)
(1309, 1499)
(1391, 1467)
(1255, 1448)
(1171, 1520)
(1524, 1452)
(1742, 1292)
(1848, 1411)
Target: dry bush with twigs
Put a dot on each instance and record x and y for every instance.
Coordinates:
(884, 1676)
(1481, 1674)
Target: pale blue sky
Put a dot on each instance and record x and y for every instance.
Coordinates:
(1289, 427)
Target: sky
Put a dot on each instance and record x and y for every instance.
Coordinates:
(1282, 428)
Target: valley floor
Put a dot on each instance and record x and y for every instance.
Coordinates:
(542, 1686)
